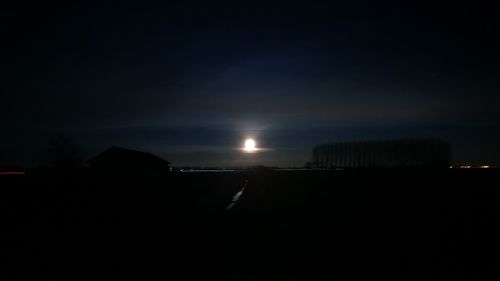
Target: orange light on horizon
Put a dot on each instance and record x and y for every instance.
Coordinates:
(12, 173)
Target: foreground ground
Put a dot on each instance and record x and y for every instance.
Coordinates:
(303, 225)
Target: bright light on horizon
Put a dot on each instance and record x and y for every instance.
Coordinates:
(249, 146)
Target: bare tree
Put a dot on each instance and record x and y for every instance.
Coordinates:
(63, 153)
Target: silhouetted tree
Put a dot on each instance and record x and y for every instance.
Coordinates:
(63, 153)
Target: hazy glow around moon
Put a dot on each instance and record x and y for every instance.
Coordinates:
(249, 146)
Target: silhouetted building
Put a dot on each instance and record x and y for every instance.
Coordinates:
(121, 159)
(422, 153)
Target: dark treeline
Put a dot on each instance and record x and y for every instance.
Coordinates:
(423, 153)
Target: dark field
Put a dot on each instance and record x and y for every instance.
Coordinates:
(301, 225)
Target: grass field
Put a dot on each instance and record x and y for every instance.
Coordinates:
(282, 225)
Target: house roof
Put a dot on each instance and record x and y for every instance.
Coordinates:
(118, 157)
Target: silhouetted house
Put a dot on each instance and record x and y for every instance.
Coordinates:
(127, 160)
(418, 153)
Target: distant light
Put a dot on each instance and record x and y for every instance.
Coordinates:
(12, 173)
(465, 167)
(249, 146)
(485, 167)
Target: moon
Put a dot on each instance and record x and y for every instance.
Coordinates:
(249, 146)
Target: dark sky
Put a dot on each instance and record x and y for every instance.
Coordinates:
(190, 81)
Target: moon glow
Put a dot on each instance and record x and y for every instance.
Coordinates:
(249, 146)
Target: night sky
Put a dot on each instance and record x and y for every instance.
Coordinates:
(190, 81)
